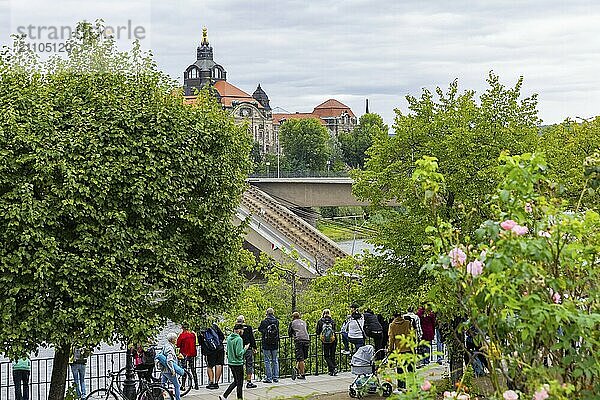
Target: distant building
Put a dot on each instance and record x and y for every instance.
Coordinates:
(336, 117)
(255, 108)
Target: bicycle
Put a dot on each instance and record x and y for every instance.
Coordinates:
(186, 377)
(144, 390)
(294, 373)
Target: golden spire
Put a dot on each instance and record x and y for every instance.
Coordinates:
(204, 36)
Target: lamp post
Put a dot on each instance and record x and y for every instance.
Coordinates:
(129, 384)
(328, 165)
(267, 164)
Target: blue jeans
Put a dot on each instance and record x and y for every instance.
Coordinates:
(357, 342)
(345, 340)
(439, 345)
(78, 371)
(167, 377)
(271, 364)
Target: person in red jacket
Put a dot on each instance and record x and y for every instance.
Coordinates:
(427, 318)
(187, 347)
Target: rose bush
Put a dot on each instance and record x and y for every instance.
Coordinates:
(525, 282)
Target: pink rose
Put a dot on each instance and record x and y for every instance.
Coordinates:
(556, 298)
(475, 268)
(449, 395)
(426, 386)
(457, 257)
(510, 395)
(544, 234)
(519, 230)
(541, 394)
(528, 208)
(508, 224)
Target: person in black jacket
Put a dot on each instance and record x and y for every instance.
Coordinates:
(374, 330)
(326, 331)
(269, 330)
(248, 339)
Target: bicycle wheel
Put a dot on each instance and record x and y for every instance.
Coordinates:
(155, 392)
(188, 379)
(101, 394)
(294, 373)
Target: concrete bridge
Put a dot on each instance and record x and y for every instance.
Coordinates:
(277, 231)
(309, 192)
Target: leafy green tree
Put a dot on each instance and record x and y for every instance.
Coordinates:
(466, 134)
(566, 146)
(354, 144)
(305, 143)
(116, 200)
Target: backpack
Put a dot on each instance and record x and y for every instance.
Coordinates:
(327, 334)
(272, 333)
(211, 340)
(149, 355)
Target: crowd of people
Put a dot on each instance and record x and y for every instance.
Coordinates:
(241, 344)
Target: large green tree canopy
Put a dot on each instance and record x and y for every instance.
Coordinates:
(305, 144)
(466, 134)
(354, 144)
(567, 145)
(116, 199)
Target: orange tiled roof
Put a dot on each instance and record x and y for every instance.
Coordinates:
(230, 93)
(332, 108)
(277, 118)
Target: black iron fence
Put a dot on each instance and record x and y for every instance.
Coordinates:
(99, 363)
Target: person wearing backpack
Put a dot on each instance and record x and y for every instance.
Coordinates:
(269, 330)
(326, 332)
(186, 341)
(374, 330)
(211, 343)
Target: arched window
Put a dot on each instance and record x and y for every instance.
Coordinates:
(216, 73)
(193, 73)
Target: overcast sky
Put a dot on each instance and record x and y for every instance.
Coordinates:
(304, 52)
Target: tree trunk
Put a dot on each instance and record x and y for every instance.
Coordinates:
(455, 352)
(58, 380)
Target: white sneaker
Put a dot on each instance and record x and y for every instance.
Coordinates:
(397, 391)
(346, 352)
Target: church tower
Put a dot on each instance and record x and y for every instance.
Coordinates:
(205, 71)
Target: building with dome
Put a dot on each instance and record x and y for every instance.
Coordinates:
(255, 109)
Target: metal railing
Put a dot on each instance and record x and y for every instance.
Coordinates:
(300, 174)
(99, 363)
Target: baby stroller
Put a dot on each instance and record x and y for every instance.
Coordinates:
(367, 381)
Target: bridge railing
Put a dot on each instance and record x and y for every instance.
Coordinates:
(301, 174)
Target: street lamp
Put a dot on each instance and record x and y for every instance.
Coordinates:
(267, 164)
(328, 165)
(129, 384)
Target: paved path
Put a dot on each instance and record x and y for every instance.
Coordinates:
(286, 388)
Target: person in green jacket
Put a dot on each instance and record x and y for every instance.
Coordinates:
(21, 370)
(235, 360)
